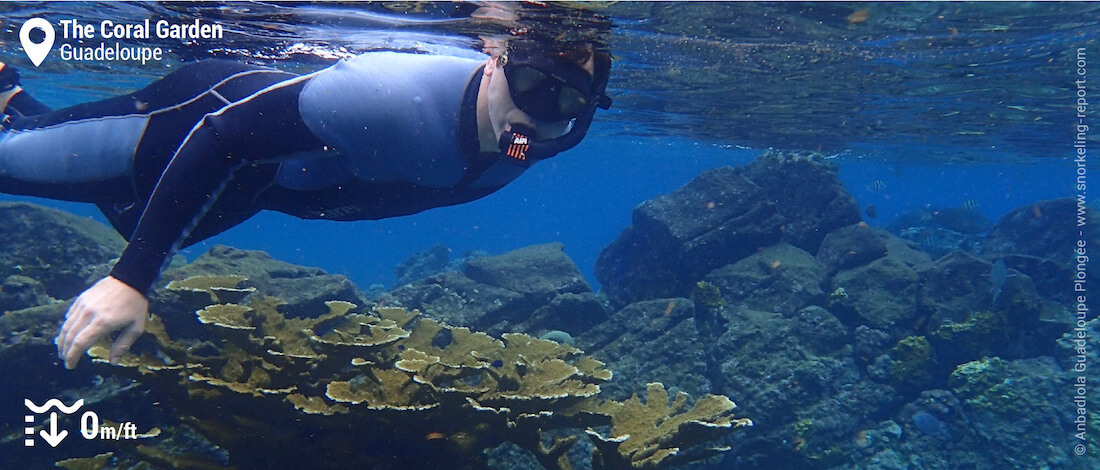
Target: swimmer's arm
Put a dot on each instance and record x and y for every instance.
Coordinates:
(265, 128)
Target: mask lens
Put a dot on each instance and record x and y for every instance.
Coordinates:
(525, 78)
(571, 102)
(544, 96)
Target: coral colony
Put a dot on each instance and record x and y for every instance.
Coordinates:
(389, 374)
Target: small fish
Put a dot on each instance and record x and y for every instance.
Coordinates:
(859, 16)
(870, 211)
(876, 186)
(929, 240)
(997, 277)
(970, 204)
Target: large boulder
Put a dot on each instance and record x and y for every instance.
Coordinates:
(881, 294)
(1037, 240)
(651, 341)
(860, 244)
(780, 278)
(720, 217)
(64, 252)
(1041, 229)
(532, 290)
(799, 381)
(807, 192)
(716, 219)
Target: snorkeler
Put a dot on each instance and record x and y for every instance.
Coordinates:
(379, 135)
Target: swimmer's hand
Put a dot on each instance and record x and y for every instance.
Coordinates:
(110, 305)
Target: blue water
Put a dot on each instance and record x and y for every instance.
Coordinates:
(584, 199)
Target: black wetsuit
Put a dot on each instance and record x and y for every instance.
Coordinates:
(215, 142)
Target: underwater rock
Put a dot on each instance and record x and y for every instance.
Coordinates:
(881, 294)
(859, 244)
(19, 292)
(1034, 240)
(720, 217)
(650, 341)
(531, 289)
(816, 204)
(910, 362)
(959, 284)
(779, 278)
(303, 289)
(961, 220)
(458, 300)
(570, 313)
(1048, 275)
(964, 323)
(539, 272)
(715, 219)
(1075, 349)
(66, 253)
(1021, 405)
(423, 264)
(805, 383)
(1039, 229)
(851, 246)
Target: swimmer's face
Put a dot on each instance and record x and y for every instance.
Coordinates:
(503, 112)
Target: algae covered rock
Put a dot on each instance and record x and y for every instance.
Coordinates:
(537, 288)
(65, 253)
(675, 239)
(1021, 404)
(19, 292)
(796, 370)
(1035, 240)
(720, 217)
(780, 278)
(304, 290)
(860, 244)
(423, 264)
(1040, 230)
(807, 192)
(881, 294)
(959, 284)
(651, 341)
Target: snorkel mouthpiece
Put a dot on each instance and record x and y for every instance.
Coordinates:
(518, 146)
(515, 147)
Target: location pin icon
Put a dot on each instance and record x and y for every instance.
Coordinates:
(36, 52)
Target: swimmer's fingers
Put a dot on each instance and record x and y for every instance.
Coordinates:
(124, 341)
(76, 319)
(84, 339)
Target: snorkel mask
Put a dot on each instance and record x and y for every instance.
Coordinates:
(553, 91)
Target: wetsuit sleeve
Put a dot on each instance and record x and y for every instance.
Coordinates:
(259, 128)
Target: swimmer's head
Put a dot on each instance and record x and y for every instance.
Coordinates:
(546, 100)
(555, 87)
